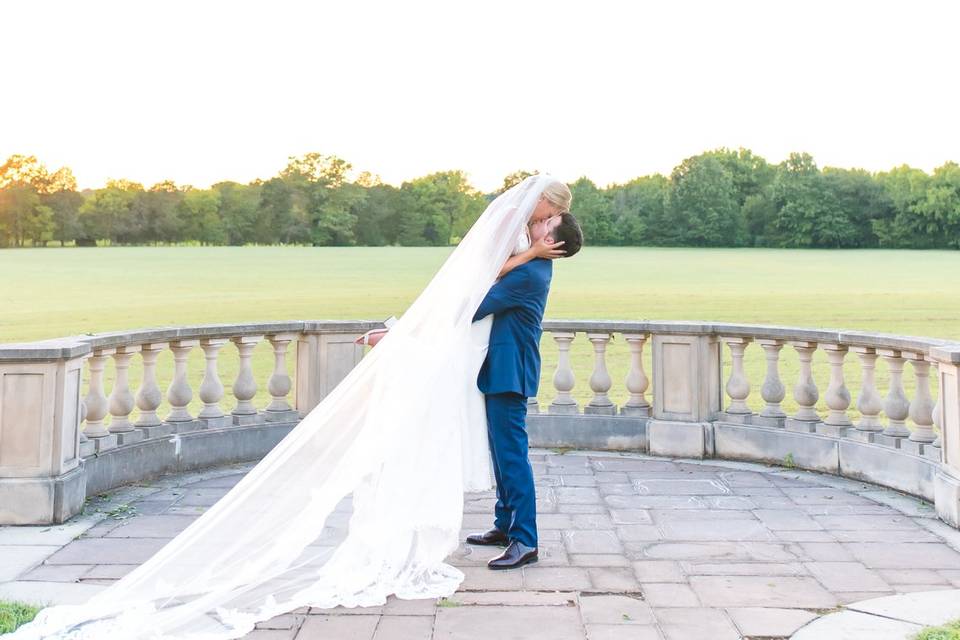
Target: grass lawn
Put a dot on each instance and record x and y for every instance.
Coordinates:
(46, 293)
(14, 614)
(949, 631)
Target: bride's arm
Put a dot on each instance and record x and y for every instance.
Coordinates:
(540, 249)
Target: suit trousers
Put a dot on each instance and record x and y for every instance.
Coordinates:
(516, 508)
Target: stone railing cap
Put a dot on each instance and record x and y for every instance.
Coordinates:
(73, 346)
(82, 344)
(948, 353)
(44, 350)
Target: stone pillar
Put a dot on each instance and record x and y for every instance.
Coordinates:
(149, 396)
(869, 403)
(245, 386)
(97, 403)
(947, 481)
(179, 393)
(600, 381)
(686, 395)
(211, 388)
(805, 392)
(324, 358)
(837, 396)
(773, 390)
(42, 477)
(121, 399)
(738, 386)
(637, 381)
(895, 405)
(279, 410)
(563, 379)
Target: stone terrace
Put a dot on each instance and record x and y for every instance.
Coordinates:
(631, 547)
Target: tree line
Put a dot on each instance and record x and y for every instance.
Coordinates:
(719, 198)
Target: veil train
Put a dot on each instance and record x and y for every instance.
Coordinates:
(392, 448)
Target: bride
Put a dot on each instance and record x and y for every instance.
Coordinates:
(398, 441)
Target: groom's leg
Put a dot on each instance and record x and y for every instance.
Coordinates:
(501, 510)
(509, 425)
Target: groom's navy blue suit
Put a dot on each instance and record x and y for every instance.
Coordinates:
(510, 374)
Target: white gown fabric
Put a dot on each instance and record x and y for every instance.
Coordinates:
(399, 440)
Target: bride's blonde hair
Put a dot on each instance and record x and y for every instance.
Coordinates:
(559, 194)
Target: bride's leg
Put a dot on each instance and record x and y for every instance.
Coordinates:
(507, 413)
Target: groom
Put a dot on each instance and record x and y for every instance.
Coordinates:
(510, 374)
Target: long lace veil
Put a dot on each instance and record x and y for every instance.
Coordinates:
(384, 445)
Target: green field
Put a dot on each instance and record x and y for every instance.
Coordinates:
(47, 293)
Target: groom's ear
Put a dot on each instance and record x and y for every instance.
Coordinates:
(569, 232)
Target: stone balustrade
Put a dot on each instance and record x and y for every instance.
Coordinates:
(59, 445)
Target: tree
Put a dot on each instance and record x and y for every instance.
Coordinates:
(23, 170)
(902, 226)
(591, 206)
(238, 210)
(704, 201)
(808, 214)
(516, 178)
(861, 199)
(940, 208)
(438, 207)
(106, 214)
(23, 216)
(637, 207)
(200, 212)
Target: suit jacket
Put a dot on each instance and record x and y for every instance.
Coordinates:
(517, 302)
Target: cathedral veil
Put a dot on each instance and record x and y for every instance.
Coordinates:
(386, 442)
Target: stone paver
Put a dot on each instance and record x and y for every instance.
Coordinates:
(630, 547)
(768, 622)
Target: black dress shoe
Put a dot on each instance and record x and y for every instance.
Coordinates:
(492, 537)
(515, 555)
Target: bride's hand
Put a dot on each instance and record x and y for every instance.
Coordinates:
(543, 249)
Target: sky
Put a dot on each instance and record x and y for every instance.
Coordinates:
(204, 91)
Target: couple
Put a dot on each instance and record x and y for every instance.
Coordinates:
(511, 372)
(364, 497)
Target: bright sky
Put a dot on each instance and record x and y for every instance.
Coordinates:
(202, 91)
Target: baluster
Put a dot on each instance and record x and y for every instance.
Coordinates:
(600, 381)
(563, 379)
(738, 386)
(921, 408)
(245, 386)
(179, 392)
(837, 395)
(149, 396)
(121, 399)
(87, 447)
(96, 401)
(211, 388)
(869, 403)
(637, 381)
(279, 384)
(773, 390)
(805, 391)
(895, 405)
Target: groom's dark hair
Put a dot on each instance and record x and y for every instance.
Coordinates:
(569, 232)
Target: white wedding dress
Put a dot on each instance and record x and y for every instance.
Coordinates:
(384, 460)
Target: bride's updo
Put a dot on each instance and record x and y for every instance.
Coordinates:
(559, 194)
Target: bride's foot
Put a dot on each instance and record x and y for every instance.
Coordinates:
(492, 537)
(515, 555)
